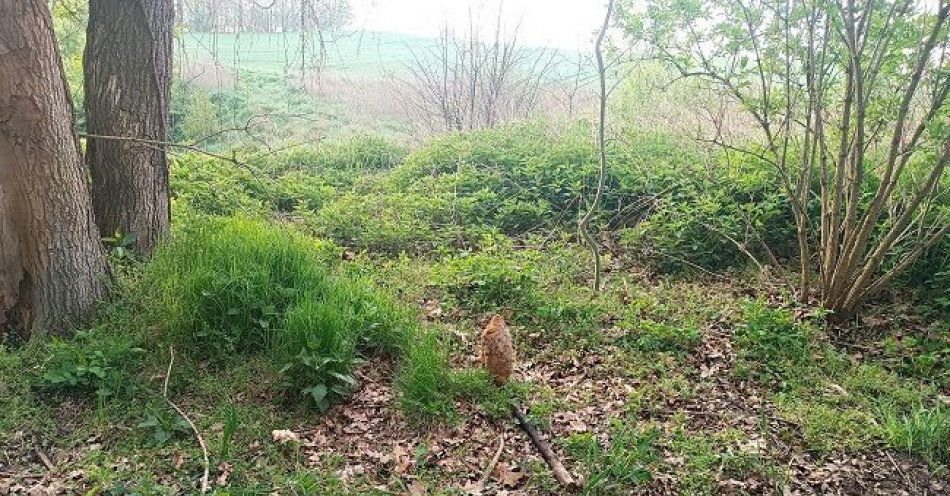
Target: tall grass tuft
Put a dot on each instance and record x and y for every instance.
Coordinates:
(227, 288)
(317, 349)
(923, 431)
(221, 286)
(424, 382)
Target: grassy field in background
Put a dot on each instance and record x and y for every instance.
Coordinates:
(370, 54)
(358, 53)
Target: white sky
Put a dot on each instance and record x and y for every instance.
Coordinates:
(567, 24)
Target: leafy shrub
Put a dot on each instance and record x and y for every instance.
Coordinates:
(163, 425)
(484, 282)
(385, 221)
(90, 362)
(522, 178)
(298, 190)
(300, 178)
(771, 345)
(700, 216)
(216, 187)
(339, 162)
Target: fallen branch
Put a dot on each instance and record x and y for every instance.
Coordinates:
(201, 441)
(557, 468)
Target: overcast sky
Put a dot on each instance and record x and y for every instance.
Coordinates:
(567, 24)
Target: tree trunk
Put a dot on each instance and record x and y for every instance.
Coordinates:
(52, 264)
(127, 68)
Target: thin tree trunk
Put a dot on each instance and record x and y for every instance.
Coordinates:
(127, 70)
(584, 224)
(52, 265)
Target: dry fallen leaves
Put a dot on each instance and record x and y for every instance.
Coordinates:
(509, 476)
(224, 472)
(417, 488)
(284, 436)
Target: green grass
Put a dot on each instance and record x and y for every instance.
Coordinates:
(922, 431)
(361, 53)
(826, 428)
(22, 408)
(772, 346)
(623, 464)
(424, 381)
(707, 458)
(222, 291)
(269, 324)
(222, 287)
(369, 54)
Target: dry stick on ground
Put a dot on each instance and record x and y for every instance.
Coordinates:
(491, 464)
(557, 468)
(45, 459)
(201, 441)
(583, 226)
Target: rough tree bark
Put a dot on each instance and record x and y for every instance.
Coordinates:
(127, 69)
(52, 264)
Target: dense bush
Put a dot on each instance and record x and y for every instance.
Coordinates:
(674, 206)
(699, 217)
(338, 162)
(299, 178)
(386, 222)
(216, 187)
(488, 282)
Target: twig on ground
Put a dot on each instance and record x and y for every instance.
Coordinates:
(201, 441)
(45, 459)
(907, 480)
(494, 461)
(557, 468)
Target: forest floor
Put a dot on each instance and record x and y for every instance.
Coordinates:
(687, 407)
